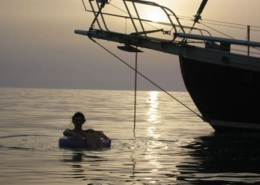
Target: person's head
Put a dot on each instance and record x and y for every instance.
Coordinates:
(78, 119)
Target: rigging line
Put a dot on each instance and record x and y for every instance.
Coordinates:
(147, 79)
(216, 30)
(223, 25)
(242, 28)
(135, 102)
(215, 21)
(237, 24)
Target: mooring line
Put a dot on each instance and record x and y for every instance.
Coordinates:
(147, 79)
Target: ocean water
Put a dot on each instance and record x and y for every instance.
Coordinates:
(167, 145)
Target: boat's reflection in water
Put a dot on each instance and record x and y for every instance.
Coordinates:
(226, 158)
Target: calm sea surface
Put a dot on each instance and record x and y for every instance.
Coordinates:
(169, 145)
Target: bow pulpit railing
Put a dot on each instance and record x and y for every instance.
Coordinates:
(134, 17)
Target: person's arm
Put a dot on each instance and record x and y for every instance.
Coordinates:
(90, 131)
(69, 132)
(101, 134)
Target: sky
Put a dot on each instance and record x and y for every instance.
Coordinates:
(39, 48)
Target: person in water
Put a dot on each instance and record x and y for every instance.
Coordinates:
(92, 137)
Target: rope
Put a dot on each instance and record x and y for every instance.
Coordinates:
(147, 79)
(135, 91)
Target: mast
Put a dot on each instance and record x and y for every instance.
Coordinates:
(199, 12)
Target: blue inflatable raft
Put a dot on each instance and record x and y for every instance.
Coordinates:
(73, 142)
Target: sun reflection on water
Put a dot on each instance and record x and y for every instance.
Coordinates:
(154, 145)
(152, 113)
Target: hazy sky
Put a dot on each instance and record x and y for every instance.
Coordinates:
(39, 47)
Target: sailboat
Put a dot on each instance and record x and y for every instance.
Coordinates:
(222, 80)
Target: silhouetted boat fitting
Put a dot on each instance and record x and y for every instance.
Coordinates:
(224, 83)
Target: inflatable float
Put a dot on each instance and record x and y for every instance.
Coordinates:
(73, 142)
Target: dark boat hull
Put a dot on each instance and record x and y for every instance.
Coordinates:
(227, 97)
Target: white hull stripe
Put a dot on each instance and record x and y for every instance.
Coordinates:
(228, 124)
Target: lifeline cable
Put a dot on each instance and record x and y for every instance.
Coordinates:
(148, 79)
